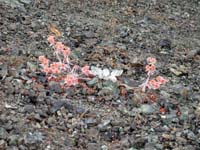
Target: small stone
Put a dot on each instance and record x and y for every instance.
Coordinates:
(54, 86)
(165, 44)
(33, 138)
(12, 148)
(191, 135)
(104, 147)
(2, 144)
(37, 117)
(90, 122)
(93, 146)
(193, 53)
(13, 26)
(175, 71)
(3, 133)
(22, 147)
(29, 108)
(13, 140)
(147, 109)
(104, 125)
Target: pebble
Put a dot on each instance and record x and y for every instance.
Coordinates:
(3, 144)
(147, 109)
(55, 86)
(90, 122)
(13, 140)
(3, 133)
(33, 138)
(165, 44)
(29, 108)
(93, 146)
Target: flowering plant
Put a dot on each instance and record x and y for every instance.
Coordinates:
(72, 73)
(54, 69)
(155, 82)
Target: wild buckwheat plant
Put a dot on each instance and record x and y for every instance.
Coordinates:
(55, 70)
(69, 74)
(152, 83)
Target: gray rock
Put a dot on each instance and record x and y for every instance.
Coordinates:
(147, 109)
(3, 133)
(165, 43)
(33, 138)
(3, 144)
(104, 125)
(54, 86)
(90, 122)
(29, 108)
(93, 146)
(13, 140)
(191, 135)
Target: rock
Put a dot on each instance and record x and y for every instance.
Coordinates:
(37, 117)
(12, 148)
(29, 109)
(175, 71)
(57, 106)
(147, 109)
(22, 147)
(33, 138)
(68, 141)
(90, 122)
(104, 147)
(104, 125)
(165, 44)
(93, 146)
(197, 111)
(25, 1)
(193, 53)
(3, 70)
(3, 144)
(55, 86)
(3, 133)
(13, 140)
(191, 135)
(13, 26)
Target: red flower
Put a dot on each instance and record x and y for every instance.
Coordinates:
(51, 39)
(150, 68)
(70, 79)
(151, 60)
(161, 80)
(66, 52)
(153, 84)
(86, 70)
(44, 60)
(59, 46)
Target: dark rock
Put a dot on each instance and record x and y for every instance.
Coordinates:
(90, 122)
(37, 117)
(165, 44)
(55, 86)
(29, 108)
(69, 107)
(58, 104)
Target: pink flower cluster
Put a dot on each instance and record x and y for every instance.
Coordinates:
(63, 66)
(152, 83)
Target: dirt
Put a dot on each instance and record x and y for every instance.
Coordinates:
(114, 34)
